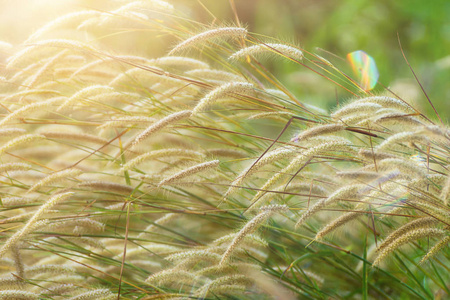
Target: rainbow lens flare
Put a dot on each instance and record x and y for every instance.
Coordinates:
(365, 68)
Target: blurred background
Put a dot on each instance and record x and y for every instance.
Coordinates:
(339, 27)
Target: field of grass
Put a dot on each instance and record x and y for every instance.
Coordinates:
(213, 150)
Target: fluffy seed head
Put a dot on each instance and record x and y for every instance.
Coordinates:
(279, 49)
(24, 139)
(222, 91)
(251, 226)
(170, 119)
(318, 130)
(406, 238)
(233, 32)
(190, 171)
(55, 177)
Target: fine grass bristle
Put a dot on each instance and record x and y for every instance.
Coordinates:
(234, 32)
(175, 117)
(235, 88)
(278, 49)
(190, 171)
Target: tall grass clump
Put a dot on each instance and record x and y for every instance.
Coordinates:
(199, 175)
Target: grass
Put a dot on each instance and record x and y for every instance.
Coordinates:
(199, 176)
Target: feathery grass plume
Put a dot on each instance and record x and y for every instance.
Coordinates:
(273, 288)
(279, 49)
(226, 152)
(55, 177)
(268, 158)
(396, 118)
(355, 107)
(213, 34)
(314, 189)
(172, 276)
(18, 295)
(29, 227)
(425, 202)
(127, 121)
(27, 95)
(58, 289)
(437, 132)
(228, 289)
(409, 236)
(164, 122)
(17, 218)
(43, 47)
(15, 61)
(180, 62)
(93, 295)
(28, 109)
(435, 249)
(67, 20)
(34, 222)
(446, 190)
(5, 46)
(358, 175)
(342, 194)
(222, 91)
(49, 64)
(250, 227)
(190, 171)
(223, 281)
(370, 155)
(388, 102)
(54, 269)
(14, 167)
(318, 140)
(16, 201)
(406, 167)
(297, 162)
(402, 230)
(318, 130)
(230, 268)
(161, 154)
(195, 256)
(112, 187)
(41, 152)
(363, 120)
(12, 131)
(140, 75)
(85, 93)
(24, 139)
(147, 5)
(311, 190)
(336, 223)
(80, 225)
(401, 137)
(277, 115)
(11, 282)
(18, 262)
